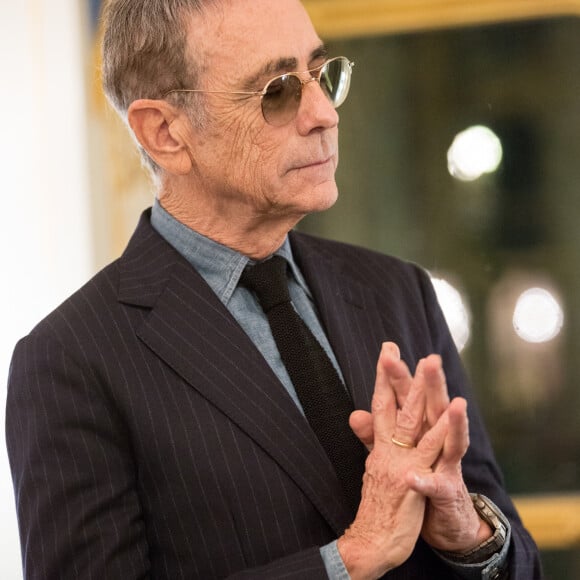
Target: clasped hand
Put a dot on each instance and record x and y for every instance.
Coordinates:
(412, 483)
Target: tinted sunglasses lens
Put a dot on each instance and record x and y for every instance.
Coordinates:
(281, 100)
(335, 80)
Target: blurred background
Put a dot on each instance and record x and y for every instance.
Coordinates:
(460, 150)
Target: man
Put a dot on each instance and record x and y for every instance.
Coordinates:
(154, 424)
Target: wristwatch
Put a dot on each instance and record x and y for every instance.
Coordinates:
(489, 514)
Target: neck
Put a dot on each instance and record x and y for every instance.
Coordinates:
(254, 235)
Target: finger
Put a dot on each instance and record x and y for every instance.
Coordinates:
(435, 388)
(432, 443)
(457, 440)
(411, 417)
(361, 422)
(392, 348)
(384, 404)
(399, 376)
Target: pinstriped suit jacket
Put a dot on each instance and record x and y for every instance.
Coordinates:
(148, 438)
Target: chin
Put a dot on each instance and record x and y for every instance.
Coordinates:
(306, 198)
(324, 196)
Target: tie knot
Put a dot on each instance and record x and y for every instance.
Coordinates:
(268, 280)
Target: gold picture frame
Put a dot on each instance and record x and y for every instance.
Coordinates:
(347, 18)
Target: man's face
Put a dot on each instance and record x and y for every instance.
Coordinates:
(242, 163)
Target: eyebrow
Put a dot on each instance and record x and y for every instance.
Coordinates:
(280, 66)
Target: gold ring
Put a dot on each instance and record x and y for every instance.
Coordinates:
(402, 443)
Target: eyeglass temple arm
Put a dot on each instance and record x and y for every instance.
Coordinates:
(263, 91)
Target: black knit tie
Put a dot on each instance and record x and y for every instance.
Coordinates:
(325, 401)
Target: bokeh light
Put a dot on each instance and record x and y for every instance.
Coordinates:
(538, 316)
(473, 153)
(455, 310)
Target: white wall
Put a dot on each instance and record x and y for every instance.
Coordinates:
(45, 236)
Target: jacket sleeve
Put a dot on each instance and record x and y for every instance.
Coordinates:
(77, 505)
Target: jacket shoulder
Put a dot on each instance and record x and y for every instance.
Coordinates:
(92, 299)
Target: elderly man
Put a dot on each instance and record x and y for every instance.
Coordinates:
(210, 405)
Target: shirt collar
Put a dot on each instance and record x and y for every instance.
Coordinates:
(220, 266)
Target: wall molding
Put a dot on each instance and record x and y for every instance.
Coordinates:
(348, 18)
(553, 520)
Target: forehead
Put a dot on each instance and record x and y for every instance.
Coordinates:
(242, 36)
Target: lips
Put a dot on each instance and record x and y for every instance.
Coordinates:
(321, 162)
(314, 163)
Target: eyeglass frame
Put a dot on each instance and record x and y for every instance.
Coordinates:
(350, 64)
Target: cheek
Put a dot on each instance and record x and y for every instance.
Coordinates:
(251, 154)
(251, 158)
(257, 158)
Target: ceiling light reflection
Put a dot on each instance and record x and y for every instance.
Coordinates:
(538, 316)
(474, 152)
(455, 311)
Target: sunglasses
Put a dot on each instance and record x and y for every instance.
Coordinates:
(282, 95)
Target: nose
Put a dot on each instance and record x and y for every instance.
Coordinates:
(315, 111)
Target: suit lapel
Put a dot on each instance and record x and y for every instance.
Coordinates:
(190, 329)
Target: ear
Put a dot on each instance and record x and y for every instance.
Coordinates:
(162, 131)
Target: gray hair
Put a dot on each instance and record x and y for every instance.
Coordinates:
(145, 54)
